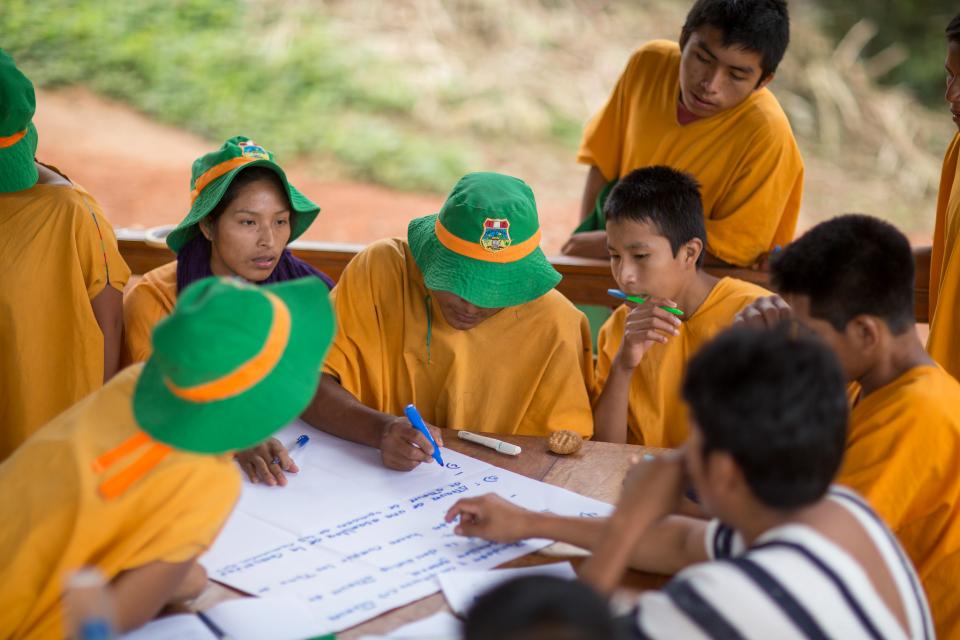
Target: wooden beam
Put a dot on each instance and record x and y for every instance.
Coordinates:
(585, 281)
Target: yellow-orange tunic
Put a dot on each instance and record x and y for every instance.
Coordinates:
(526, 370)
(59, 252)
(944, 341)
(55, 521)
(903, 455)
(746, 158)
(656, 416)
(149, 301)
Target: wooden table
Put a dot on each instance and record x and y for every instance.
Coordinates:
(596, 471)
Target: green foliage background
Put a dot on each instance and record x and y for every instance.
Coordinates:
(917, 25)
(218, 68)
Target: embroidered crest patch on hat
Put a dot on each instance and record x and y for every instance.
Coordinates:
(250, 149)
(496, 234)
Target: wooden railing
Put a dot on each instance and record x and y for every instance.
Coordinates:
(585, 281)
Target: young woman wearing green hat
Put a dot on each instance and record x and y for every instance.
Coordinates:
(137, 479)
(243, 215)
(61, 278)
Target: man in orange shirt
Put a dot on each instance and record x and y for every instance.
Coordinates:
(850, 281)
(944, 341)
(61, 278)
(703, 108)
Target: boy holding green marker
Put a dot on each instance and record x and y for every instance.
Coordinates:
(656, 238)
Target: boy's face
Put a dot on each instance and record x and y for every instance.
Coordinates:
(643, 263)
(459, 313)
(844, 344)
(953, 80)
(714, 78)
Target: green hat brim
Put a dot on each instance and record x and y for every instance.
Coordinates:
(306, 211)
(18, 171)
(485, 284)
(251, 417)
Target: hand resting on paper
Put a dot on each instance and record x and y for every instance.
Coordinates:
(490, 517)
(266, 463)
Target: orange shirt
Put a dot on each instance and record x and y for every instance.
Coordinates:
(903, 455)
(59, 252)
(746, 158)
(527, 370)
(55, 521)
(944, 341)
(656, 415)
(149, 301)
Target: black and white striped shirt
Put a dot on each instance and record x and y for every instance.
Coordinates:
(792, 583)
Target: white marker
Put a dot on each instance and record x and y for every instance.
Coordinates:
(493, 443)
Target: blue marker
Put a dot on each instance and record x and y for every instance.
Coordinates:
(414, 417)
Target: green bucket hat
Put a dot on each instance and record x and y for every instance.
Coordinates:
(484, 245)
(233, 363)
(212, 175)
(18, 136)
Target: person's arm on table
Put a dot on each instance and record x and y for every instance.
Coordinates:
(139, 594)
(667, 546)
(336, 411)
(641, 533)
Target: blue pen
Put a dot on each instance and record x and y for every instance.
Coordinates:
(300, 442)
(414, 417)
(293, 446)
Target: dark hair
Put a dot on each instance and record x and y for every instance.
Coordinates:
(242, 179)
(953, 29)
(540, 608)
(664, 197)
(762, 26)
(849, 266)
(777, 404)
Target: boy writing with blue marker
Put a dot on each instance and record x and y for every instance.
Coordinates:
(462, 320)
(656, 239)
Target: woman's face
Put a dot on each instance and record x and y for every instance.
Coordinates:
(251, 233)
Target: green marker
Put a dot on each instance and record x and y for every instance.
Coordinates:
(616, 293)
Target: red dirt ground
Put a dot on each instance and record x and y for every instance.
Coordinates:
(139, 171)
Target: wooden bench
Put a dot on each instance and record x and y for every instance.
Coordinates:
(585, 281)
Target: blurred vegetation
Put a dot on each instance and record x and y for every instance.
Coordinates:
(276, 72)
(414, 93)
(910, 31)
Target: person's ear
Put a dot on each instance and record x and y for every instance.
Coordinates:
(723, 475)
(764, 82)
(206, 228)
(690, 252)
(865, 333)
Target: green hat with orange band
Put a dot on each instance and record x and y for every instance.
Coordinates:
(484, 245)
(212, 175)
(233, 363)
(18, 136)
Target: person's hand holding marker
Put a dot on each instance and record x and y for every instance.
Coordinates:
(647, 324)
(403, 447)
(266, 463)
